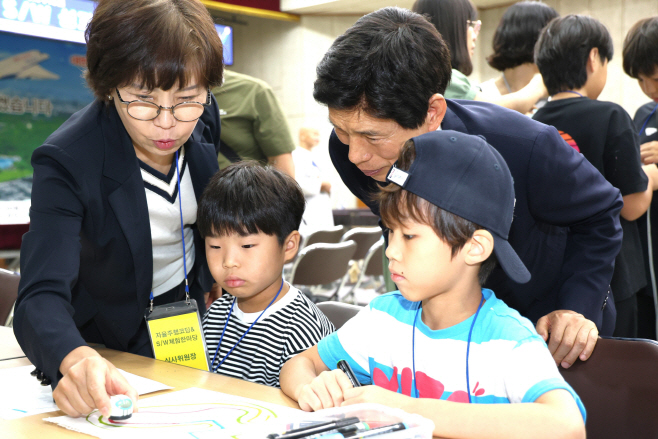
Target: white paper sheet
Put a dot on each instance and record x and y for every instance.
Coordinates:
(25, 396)
(190, 413)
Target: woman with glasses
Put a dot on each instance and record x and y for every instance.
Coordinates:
(114, 199)
(456, 21)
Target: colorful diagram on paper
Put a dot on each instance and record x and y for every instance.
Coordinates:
(184, 417)
(190, 413)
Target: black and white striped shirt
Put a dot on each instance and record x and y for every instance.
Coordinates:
(290, 326)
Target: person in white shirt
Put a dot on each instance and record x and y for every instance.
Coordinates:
(314, 184)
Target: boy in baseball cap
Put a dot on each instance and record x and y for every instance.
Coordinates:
(442, 339)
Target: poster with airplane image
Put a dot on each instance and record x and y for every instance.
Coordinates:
(41, 85)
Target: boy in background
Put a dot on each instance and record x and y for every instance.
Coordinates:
(572, 54)
(641, 62)
(249, 216)
(442, 339)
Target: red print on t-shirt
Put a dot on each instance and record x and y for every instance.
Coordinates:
(428, 387)
(567, 138)
(380, 379)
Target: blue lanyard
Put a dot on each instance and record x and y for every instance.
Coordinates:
(214, 369)
(468, 345)
(182, 232)
(648, 119)
(566, 91)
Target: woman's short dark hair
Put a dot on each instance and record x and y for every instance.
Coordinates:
(388, 64)
(518, 31)
(563, 48)
(397, 206)
(156, 43)
(641, 48)
(247, 198)
(450, 18)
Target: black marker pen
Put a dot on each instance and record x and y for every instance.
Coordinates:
(315, 429)
(345, 367)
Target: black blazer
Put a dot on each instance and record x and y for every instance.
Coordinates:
(566, 218)
(88, 254)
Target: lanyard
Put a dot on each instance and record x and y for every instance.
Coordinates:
(214, 369)
(468, 345)
(648, 119)
(182, 232)
(565, 91)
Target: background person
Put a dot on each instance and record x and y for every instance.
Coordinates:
(456, 21)
(514, 47)
(105, 223)
(641, 62)
(383, 81)
(253, 124)
(573, 54)
(317, 189)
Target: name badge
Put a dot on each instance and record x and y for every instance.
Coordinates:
(176, 335)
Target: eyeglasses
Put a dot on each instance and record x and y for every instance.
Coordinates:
(183, 112)
(475, 25)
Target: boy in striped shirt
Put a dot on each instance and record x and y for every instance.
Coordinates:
(249, 216)
(443, 340)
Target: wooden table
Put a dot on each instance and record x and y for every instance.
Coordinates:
(9, 347)
(179, 377)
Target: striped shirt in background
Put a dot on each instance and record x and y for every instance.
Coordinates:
(290, 326)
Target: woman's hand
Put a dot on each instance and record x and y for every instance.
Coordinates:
(88, 382)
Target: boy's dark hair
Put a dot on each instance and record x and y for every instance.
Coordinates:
(518, 31)
(397, 205)
(450, 18)
(247, 198)
(388, 64)
(641, 48)
(155, 43)
(563, 48)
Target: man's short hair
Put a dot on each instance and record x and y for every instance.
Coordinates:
(450, 17)
(397, 205)
(516, 34)
(388, 64)
(563, 48)
(641, 48)
(247, 198)
(157, 43)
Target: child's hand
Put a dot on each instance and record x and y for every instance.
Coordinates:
(325, 391)
(376, 394)
(649, 152)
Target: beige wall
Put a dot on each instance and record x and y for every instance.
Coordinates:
(285, 54)
(617, 15)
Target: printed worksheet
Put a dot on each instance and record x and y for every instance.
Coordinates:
(29, 397)
(190, 413)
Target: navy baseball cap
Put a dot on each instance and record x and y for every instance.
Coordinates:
(466, 176)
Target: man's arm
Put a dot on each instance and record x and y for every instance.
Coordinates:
(283, 163)
(566, 190)
(271, 132)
